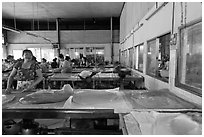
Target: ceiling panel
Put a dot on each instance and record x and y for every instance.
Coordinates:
(53, 10)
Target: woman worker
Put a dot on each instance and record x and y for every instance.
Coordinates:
(27, 73)
(65, 65)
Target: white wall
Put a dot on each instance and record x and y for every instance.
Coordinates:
(107, 48)
(82, 38)
(131, 14)
(86, 36)
(25, 46)
(159, 24)
(22, 38)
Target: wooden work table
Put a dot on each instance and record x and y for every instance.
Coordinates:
(99, 77)
(134, 99)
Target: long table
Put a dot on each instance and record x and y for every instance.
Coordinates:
(136, 79)
(80, 69)
(105, 70)
(127, 102)
(73, 77)
(117, 103)
(57, 115)
(134, 99)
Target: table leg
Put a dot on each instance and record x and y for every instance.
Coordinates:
(122, 84)
(44, 83)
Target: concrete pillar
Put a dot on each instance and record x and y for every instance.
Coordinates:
(58, 34)
(112, 50)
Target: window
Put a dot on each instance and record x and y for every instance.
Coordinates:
(130, 63)
(3, 44)
(140, 57)
(95, 55)
(40, 53)
(48, 54)
(99, 55)
(17, 54)
(2, 52)
(78, 52)
(4, 34)
(163, 57)
(122, 57)
(36, 53)
(135, 60)
(151, 57)
(158, 55)
(3, 39)
(72, 53)
(189, 72)
(126, 57)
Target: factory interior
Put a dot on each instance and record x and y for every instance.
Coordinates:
(101, 68)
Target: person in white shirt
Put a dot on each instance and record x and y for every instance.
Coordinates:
(65, 65)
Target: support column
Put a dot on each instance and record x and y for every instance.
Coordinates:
(58, 35)
(112, 49)
(6, 49)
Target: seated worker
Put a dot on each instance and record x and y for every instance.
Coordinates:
(65, 66)
(44, 65)
(27, 73)
(54, 64)
(8, 64)
(82, 61)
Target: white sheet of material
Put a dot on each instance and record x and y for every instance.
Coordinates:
(131, 125)
(145, 120)
(47, 98)
(98, 99)
(85, 73)
(154, 123)
(7, 98)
